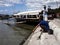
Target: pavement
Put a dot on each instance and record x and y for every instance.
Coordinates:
(46, 39)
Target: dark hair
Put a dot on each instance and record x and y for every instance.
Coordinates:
(41, 17)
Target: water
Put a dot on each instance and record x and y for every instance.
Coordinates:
(10, 36)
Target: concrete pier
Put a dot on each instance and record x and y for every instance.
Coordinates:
(46, 39)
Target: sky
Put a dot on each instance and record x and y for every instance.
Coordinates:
(15, 6)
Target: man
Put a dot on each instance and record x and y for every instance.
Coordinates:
(43, 24)
(45, 27)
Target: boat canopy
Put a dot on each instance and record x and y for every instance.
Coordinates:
(28, 13)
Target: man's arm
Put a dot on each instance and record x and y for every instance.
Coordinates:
(35, 28)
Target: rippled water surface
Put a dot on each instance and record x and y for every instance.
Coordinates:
(9, 36)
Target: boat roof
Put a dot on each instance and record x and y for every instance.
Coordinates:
(29, 13)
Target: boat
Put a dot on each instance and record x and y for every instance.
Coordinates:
(29, 16)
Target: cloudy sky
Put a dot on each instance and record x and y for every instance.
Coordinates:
(14, 6)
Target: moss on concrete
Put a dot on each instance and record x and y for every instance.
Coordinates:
(25, 26)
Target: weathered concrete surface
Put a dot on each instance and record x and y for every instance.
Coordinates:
(46, 39)
(33, 37)
(55, 25)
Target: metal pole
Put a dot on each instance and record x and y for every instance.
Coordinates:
(57, 4)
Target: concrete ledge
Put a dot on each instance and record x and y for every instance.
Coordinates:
(55, 25)
(46, 39)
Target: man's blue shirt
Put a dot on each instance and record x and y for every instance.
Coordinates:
(44, 23)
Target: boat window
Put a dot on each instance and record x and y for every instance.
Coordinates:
(23, 16)
(14, 16)
(31, 16)
(18, 16)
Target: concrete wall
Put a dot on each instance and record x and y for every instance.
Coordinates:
(55, 25)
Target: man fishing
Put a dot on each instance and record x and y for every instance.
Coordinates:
(44, 26)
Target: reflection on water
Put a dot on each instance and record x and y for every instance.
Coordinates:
(9, 36)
